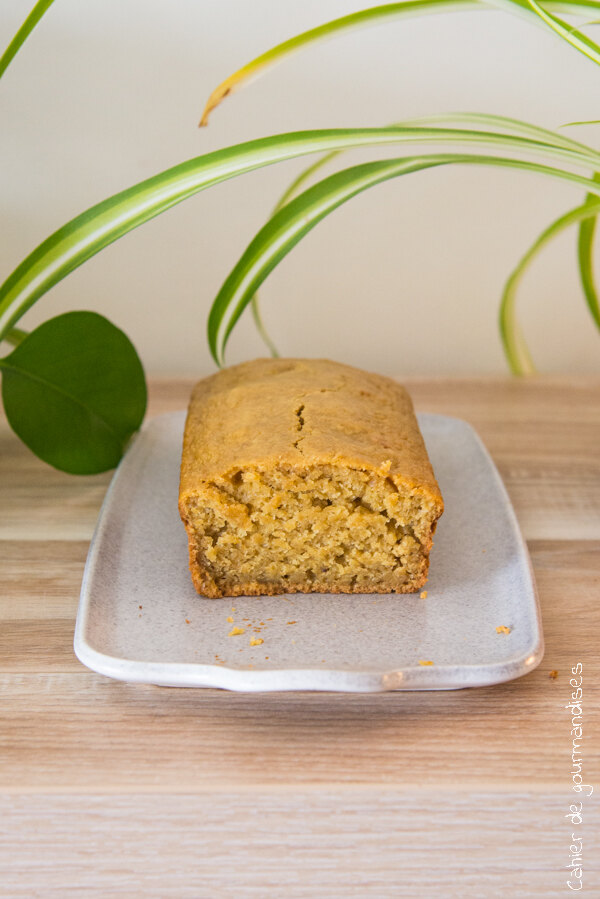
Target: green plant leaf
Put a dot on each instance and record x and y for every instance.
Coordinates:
(297, 218)
(514, 344)
(378, 15)
(74, 392)
(585, 245)
(572, 36)
(282, 232)
(23, 33)
(584, 25)
(514, 126)
(291, 191)
(104, 223)
(99, 226)
(499, 124)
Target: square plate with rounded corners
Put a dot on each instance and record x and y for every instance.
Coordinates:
(141, 620)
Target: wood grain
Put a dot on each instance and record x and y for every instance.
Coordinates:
(111, 789)
(227, 737)
(333, 843)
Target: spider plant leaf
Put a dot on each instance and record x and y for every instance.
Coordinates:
(515, 126)
(283, 231)
(583, 122)
(23, 33)
(260, 327)
(109, 220)
(291, 191)
(297, 218)
(104, 223)
(585, 244)
(576, 38)
(501, 124)
(584, 25)
(378, 15)
(513, 342)
(74, 392)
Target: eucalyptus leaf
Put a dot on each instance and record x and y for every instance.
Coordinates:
(74, 392)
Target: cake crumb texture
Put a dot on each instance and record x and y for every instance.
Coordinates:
(304, 475)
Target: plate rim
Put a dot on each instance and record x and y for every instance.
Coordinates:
(409, 678)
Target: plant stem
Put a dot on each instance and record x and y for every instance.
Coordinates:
(260, 327)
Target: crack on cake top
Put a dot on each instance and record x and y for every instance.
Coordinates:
(299, 426)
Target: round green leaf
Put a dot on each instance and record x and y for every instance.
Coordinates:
(74, 392)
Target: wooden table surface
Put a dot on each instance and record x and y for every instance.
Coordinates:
(110, 789)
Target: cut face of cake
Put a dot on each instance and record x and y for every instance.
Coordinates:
(305, 475)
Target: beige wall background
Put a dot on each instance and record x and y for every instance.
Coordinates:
(404, 279)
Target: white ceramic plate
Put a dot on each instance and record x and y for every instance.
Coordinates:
(141, 620)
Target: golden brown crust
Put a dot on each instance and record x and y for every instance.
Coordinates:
(299, 413)
(250, 413)
(254, 588)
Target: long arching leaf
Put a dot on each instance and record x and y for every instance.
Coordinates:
(378, 15)
(297, 218)
(23, 33)
(572, 36)
(513, 342)
(109, 220)
(287, 195)
(585, 245)
(498, 123)
(104, 223)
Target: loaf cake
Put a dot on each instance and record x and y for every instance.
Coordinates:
(302, 475)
